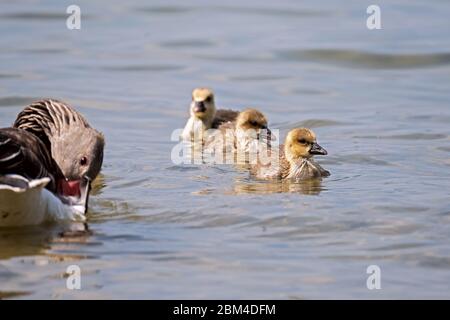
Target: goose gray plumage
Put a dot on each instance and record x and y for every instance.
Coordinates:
(47, 161)
(75, 146)
(22, 153)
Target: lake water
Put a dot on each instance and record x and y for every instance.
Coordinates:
(378, 100)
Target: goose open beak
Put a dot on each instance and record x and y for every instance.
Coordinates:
(69, 188)
(75, 192)
(316, 149)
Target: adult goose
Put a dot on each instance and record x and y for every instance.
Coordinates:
(47, 162)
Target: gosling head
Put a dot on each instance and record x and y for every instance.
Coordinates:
(202, 105)
(301, 143)
(251, 127)
(251, 119)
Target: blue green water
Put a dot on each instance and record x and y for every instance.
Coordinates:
(378, 100)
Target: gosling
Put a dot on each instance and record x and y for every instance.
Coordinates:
(294, 160)
(246, 134)
(204, 115)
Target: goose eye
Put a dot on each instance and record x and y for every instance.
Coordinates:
(253, 123)
(208, 99)
(302, 141)
(83, 161)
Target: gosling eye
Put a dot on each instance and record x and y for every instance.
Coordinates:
(83, 161)
(208, 99)
(253, 123)
(302, 141)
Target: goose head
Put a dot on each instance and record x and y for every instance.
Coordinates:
(75, 146)
(79, 154)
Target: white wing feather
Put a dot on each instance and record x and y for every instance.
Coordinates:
(27, 202)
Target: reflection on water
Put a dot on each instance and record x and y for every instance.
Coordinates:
(306, 187)
(31, 246)
(377, 99)
(35, 240)
(24, 241)
(12, 294)
(97, 185)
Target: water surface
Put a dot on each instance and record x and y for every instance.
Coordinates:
(377, 100)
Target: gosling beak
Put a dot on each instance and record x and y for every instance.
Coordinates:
(199, 107)
(316, 149)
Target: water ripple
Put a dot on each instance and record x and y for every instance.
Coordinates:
(16, 101)
(6, 75)
(408, 136)
(362, 59)
(267, 11)
(315, 123)
(195, 43)
(163, 9)
(134, 68)
(34, 15)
